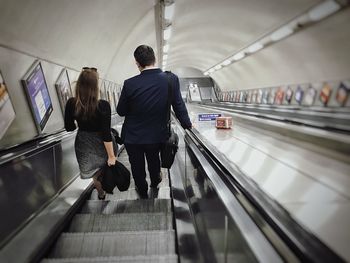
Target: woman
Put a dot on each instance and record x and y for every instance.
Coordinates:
(93, 143)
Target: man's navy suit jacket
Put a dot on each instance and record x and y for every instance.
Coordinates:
(143, 102)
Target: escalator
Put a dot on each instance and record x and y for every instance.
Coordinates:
(121, 228)
(204, 211)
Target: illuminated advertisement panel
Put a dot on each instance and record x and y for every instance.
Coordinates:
(289, 95)
(342, 94)
(63, 89)
(325, 94)
(35, 87)
(7, 112)
(310, 95)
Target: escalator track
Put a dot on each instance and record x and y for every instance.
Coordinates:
(121, 228)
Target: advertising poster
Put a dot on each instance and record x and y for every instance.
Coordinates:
(310, 95)
(232, 96)
(237, 96)
(115, 100)
(241, 96)
(38, 95)
(259, 96)
(342, 94)
(289, 95)
(194, 91)
(272, 96)
(279, 96)
(265, 96)
(7, 112)
(299, 93)
(254, 95)
(63, 89)
(249, 96)
(325, 94)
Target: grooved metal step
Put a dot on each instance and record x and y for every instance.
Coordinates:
(163, 183)
(134, 259)
(71, 245)
(164, 193)
(233, 257)
(127, 206)
(120, 222)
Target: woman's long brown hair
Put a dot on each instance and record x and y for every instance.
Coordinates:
(86, 94)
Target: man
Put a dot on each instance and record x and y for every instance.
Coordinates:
(143, 102)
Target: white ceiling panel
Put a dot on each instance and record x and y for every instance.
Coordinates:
(73, 32)
(205, 32)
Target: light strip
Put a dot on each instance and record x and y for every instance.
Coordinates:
(315, 14)
(255, 47)
(281, 33)
(226, 62)
(323, 10)
(167, 33)
(238, 56)
(169, 11)
(166, 48)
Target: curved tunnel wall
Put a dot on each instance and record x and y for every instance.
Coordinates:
(318, 53)
(69, 34)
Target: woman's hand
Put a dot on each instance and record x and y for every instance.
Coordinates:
(111, 160)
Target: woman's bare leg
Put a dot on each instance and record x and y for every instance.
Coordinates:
(98, 184)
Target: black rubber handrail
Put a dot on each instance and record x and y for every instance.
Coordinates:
(40, 141)
(35, 144)
(306, 246)
(293, 115)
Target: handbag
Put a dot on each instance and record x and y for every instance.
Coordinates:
(170, 146)
(115, 176)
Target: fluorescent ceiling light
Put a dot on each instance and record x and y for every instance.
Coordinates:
(281, 33)
(238, 56)
(217, 67)
(167, 33)
(166, 48)
(226, 62)
(255, 47)
(211, 70)
(323, 10)
(165, 57)
(169, 11)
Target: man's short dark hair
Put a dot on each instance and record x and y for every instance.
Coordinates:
(144, 55)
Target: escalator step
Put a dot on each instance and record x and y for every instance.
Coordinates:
(127, 206)
(135, 259)
(163, 183)
(114, 244)
(164, 193)
(120, 222)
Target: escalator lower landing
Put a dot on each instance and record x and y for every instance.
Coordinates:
(121, 228)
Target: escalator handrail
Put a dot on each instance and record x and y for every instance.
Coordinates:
(35, 144)
(298, 115)
(303, 243)
(262, 249)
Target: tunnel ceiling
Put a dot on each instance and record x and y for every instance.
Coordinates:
(205, 32)
(105, 33)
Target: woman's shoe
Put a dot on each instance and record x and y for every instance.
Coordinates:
(101, 197)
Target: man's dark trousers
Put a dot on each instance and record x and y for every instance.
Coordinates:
(137, 153)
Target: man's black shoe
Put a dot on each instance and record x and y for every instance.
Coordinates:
(153, 193)
(155, 185)
(141, 195)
